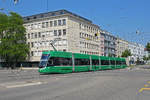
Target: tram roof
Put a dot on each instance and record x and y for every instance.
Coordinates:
(78, 55)
(59, 54)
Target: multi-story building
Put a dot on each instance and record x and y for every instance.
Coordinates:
(102, 45)
(76, 34)
(146, 53)
(109, 43)
(121, 46)
(137, 51)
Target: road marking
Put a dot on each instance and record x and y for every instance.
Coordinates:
(146, 85)
(142, 89)
(25, 84)
(63, 76)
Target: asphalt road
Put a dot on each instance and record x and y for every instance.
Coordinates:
(100, 85)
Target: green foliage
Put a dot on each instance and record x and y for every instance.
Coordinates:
(146, 58)
(13, 47)
(109, 55)
(126, 53)
(148, 47)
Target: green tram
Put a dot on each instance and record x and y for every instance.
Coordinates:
(67, 62)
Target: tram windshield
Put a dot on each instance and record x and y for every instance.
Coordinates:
(44, 60)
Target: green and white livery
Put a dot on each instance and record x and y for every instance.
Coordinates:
(67, 62)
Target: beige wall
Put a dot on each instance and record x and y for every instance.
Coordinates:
(74, 38)
(71, 40)
(122, 45)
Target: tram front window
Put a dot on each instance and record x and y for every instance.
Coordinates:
(45, 56)
(44, 60)
(42, 64)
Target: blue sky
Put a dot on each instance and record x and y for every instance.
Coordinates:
(120, 17)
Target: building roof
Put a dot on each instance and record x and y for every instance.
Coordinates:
(104, 32)
(52, 14)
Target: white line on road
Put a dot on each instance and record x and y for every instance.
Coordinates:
(25, 84)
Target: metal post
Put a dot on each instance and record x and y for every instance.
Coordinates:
(53, 47)
(109, 63)
(115, 64)
(73, 64)
(90, 63)
(100, 62)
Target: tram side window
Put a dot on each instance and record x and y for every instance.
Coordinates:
(66, 61)
(123, 63)
(59, 61)
(77, 62)
(104, 62)
(95, 62)
(82, 62)
(118, 62)
(112, 62)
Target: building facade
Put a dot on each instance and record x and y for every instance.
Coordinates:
(102, 47)
(76, 34)
(137, 51)
(146, 53)
(109, 43)
(121, 46)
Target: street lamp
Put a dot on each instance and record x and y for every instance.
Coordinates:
(16, 1)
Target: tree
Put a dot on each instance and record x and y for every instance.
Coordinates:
(13, 47)
(146, 58)
(148, 47)
(126, 53)
(109, 55)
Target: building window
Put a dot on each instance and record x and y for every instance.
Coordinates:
(43, 25)
(43, 35)
(29, 36)
(59, 22)
(55, 32)
(28, 18)
(52, 14)
(64, 22)
(35, 35)
(34, 17)
(32, 35)
(39, 34)
(80, 26)
(32, 44)
(31, 53)
(80, 35)
(59, 32)
(55, 23)
(64, 31)
(47, 24)
(29, 44)
(51, 23)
